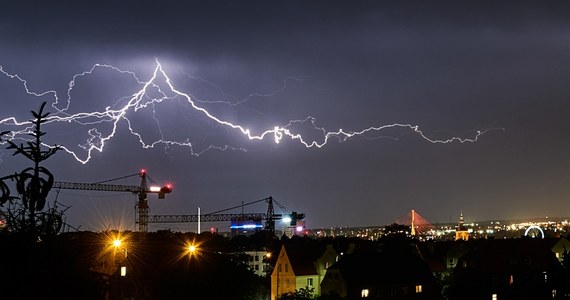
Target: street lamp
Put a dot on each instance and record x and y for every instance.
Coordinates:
(118, 249)
(113, 262)
(191, 249)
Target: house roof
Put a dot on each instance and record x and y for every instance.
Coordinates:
(511, 254)
(551, 242)
(303, 255)
(388, 265)
(436, 252)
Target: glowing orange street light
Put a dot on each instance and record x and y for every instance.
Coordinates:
(117, 243)
(192, 249)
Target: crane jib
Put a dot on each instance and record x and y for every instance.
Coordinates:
(97, 187)
(107, 187)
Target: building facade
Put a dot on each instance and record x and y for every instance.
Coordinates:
(301, 266)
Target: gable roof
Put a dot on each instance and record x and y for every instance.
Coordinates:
(303, 255)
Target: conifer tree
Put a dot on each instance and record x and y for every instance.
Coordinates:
(27, 212)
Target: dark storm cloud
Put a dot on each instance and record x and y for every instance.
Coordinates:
(450, 67)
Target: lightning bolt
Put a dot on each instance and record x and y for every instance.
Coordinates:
(153, 92)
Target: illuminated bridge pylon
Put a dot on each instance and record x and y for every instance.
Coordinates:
(417, 223)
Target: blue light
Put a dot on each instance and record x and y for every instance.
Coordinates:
(246, 226)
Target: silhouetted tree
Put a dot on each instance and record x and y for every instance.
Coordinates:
(5, 195)
(300, 294)
(395, 230)
(25, 213)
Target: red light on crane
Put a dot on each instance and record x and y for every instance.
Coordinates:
(164, 190)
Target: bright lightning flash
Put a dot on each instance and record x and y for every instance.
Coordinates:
(153, 92)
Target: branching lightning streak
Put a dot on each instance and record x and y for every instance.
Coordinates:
(142, 99)
(283, 86)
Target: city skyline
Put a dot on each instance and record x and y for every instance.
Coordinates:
(441, 107)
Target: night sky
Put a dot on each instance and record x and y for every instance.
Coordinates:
(451, 68)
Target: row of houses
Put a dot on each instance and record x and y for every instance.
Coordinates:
(489, 269)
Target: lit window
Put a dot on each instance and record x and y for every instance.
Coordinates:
(494, 297)
(364, 293)
(123, 271)
(418, 288)
(309, 281)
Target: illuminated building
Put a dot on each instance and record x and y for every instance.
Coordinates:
(301, 265)
(245, 226)
(259, 262)
(461, 232)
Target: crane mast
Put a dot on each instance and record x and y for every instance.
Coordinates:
(142, 206)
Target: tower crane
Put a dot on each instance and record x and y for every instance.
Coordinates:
(142, 207)
(270, 217)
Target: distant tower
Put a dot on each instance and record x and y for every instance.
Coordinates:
(413, 223)
(461, 232)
